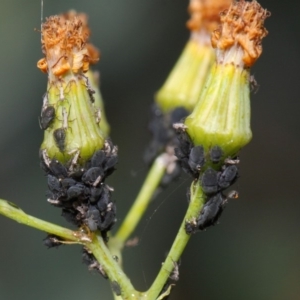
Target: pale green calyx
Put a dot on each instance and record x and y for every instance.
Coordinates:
(222, 116)
(75, 127)
(185, 82)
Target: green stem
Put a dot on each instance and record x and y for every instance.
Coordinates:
(94, 243)
(143, 199)
(12, 211)
(99, 249)
(112, 268)
(196, 203)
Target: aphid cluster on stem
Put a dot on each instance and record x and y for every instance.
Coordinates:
(89, 259)
(214, 173)
(164, 139)
(81, 191)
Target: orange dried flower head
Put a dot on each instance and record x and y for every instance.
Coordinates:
(93, 52)
(64, 45)
(205, 14)
(71, 14)
(242, 26)
(187, 78)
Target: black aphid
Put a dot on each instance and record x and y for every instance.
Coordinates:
(104, 199)
(109, 164)
(185, 144)
(191, 226)
(95, 194)
(180, 154)
(108, 218)
(196, 159)
(76, 191)
(54, 185)
(77, 174)
(70, 215)
(178, 115)
(216, 154)
(93, 176)
(67, 182)
(60, 138)
(58, 169)
(98, 158)
(163, 133)
(87, 258)
(52, 241)
(90, 260)
(47, 117)
(116, 288)
(209, 181)
(92, 218)
(211, 211)
(228, 176)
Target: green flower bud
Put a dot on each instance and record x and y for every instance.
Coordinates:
(75, 126)
(222, 115)
(185, 82)
(76, 119)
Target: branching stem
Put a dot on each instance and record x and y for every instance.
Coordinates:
(94, 243)
(104, 256)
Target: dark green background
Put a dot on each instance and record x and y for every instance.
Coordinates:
(253, 254)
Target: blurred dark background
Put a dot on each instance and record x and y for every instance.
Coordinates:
(255, 251)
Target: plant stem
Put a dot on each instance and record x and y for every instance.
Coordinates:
(143, 199)
(99, 249)
(94, 243)
(12, 211)
(112, 269)
(182, 238)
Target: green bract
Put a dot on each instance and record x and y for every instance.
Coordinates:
(222, 115)
(185, 82)
(76, 120)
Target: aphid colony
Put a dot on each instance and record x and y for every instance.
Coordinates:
(168, 133)
(93, 265)
(215, 174)
(80, 190)
(164, 139)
